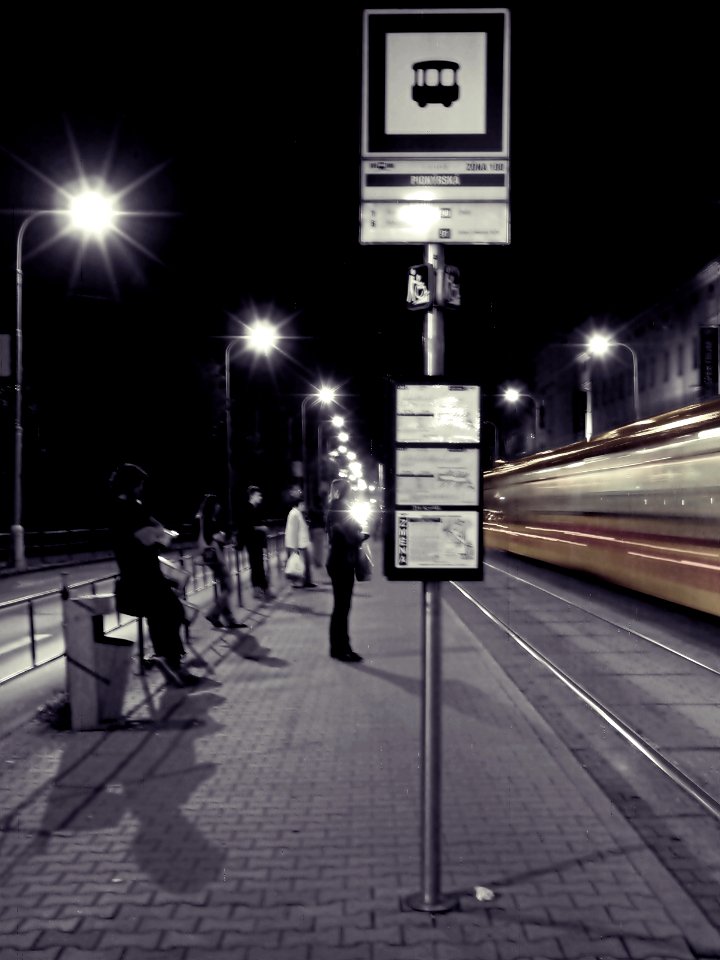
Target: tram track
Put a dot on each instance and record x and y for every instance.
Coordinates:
(642, 745)
(618, 694)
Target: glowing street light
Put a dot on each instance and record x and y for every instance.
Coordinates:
(92, 213)
(513, 395)
(337, 421)
(323, 395)
(262, 337)
(598, 346)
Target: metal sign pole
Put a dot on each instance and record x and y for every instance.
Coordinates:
(430, 898)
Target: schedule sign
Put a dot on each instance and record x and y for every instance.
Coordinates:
(434, 482)
(435, 127)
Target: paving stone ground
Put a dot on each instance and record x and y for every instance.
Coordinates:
(275, 812)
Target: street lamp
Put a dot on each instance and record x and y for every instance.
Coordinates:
(92, 213)
(336, 422)
(598, 346)
(513, 395)
(262, 337)
(322, 395)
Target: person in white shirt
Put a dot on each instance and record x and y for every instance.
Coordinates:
(297, 540)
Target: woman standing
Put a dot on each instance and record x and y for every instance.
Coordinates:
(344, 537)
(211, 545)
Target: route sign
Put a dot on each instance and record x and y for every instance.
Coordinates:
(445, 222)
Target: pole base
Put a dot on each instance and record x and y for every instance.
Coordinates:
(18, 546)
(442, 904)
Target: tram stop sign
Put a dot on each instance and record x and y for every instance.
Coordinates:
(435, 126)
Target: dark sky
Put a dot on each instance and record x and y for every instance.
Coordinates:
(235, 135)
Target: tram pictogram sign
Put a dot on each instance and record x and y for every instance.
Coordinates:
(435, 126)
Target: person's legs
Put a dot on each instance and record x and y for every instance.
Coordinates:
(222, 604)
(256, 558)
(213, 614)
(342, 597)
(164, 617)
(308, 580)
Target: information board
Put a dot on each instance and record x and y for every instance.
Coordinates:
(433, 495)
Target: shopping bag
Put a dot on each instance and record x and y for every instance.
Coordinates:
(294, 567)
(363, 564)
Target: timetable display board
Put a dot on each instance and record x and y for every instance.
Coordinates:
(433, 494)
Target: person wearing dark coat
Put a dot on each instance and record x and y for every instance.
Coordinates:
(141, 589)
(212, 539)
(345, 535)
(253, 536)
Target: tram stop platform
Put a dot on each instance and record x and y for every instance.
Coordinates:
(275, 811)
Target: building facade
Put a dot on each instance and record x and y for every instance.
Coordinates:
(664, 358)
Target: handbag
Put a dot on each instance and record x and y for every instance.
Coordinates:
(294, 567)
(363, 564)
(209, 555)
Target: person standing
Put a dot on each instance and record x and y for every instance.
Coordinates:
(297, 540)
(254, 531)
(344, 537)
(141, 589)
(212, 539)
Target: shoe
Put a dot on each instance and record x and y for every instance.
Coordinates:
(188, 679)
(234, 625)
(215, 621)
(347, 656)
(258, 593)
(269, 595)
(309, 585)
(172, 674)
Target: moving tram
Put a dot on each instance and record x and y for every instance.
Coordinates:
(638, 506)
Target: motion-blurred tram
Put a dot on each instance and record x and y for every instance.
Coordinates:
(638, 506)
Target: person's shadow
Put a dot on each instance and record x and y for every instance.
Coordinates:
(247, 646)
(149, 771)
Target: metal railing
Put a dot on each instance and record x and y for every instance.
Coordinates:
(51, 547)
(48, 604)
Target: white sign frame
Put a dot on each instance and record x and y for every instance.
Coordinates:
(475, 123)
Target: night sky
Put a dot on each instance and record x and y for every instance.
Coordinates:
(234, 138)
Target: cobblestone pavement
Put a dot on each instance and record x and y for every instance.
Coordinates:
(274, 813)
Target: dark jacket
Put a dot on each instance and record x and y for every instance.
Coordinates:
(250, 534)
(141, 579)
(344, 537)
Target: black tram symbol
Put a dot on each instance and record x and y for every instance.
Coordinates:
(435, 82)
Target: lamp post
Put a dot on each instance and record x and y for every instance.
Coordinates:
(321, 395)
(496, 442)
(91, 213)
(598, 346)
(512, 395)
(336, 422)
(261, 338)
